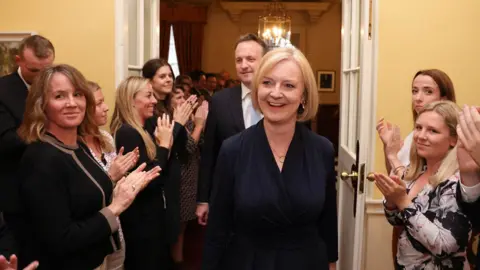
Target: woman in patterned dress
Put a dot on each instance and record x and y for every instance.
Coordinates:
(189, 169)
(103, 151)
(423, 201)
(103, 148)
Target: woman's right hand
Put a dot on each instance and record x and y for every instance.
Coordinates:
(121, 164)
(390, 136)
(393, 189)
(128, 187)
(182, 113)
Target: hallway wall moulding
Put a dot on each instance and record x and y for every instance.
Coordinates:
(313, 9)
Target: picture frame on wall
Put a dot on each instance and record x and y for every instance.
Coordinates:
(326, 81)
(9, 43)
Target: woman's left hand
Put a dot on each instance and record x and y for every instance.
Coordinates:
(332, 266)
(201, 114)
(468, 131)
(121, 164)
(164, 131)
(466, 163)
(182, 113)
(394, 190)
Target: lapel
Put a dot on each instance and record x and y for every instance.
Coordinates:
(15, 93)
(236, 108)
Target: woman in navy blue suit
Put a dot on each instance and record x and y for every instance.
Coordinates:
(274, 198)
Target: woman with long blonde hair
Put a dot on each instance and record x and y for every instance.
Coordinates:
(428, 85)
(424, 201)
(70, 208)
(144, 222)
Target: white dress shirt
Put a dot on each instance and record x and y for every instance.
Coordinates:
(470, 194)
(250, 115)
(21, 77)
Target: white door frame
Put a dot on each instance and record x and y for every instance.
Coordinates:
(122, 64)
(367, 95)
(121, 41)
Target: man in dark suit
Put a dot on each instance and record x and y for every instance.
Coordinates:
(230, 112)
(35, 54)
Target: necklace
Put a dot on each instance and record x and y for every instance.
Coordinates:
(280, 158)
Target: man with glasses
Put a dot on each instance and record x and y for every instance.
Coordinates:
(35, 54)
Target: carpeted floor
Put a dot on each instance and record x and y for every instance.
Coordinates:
(193, 246)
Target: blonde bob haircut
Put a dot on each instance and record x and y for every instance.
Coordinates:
(35, 119)
(448, 110)
(273, 58)
(125, 112)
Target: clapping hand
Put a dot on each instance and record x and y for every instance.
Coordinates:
(468, 131)
(201, 114)
(390, 136)
(466, 164)
(182, 113)
(394, 190)
(123, 163)
(13, 264)
(164, 131)
(128, 187)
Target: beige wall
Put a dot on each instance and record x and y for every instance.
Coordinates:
(83, 33)
(447, 37)
(417, 35)
(319, 41)
(378, 232)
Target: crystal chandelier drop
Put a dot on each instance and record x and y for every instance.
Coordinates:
(275, 26)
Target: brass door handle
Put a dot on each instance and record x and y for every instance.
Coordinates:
(345, 176)
(371, 176)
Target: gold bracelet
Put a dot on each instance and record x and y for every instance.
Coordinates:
(395, 171)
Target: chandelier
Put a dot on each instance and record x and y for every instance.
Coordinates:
(275, 26)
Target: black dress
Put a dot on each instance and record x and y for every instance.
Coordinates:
(143, 223)
(64, 223)
(171, 173)
(261, 218)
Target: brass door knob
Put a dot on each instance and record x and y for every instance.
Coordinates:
(371, 176)
(345, 176)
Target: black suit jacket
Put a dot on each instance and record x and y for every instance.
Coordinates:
(225, 119)
(471, 210)
(13, 95)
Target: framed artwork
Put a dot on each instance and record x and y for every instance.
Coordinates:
(9, 42)
(326, 81)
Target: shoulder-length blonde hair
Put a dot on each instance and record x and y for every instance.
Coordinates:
(34, 119)
(270, 60)
(448, 110)
(104, 142)
(124, 112)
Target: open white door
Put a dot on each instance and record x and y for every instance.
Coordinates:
(356, 128)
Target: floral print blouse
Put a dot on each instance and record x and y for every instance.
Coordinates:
(435, 232)
(114, 261)
(105, 161)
